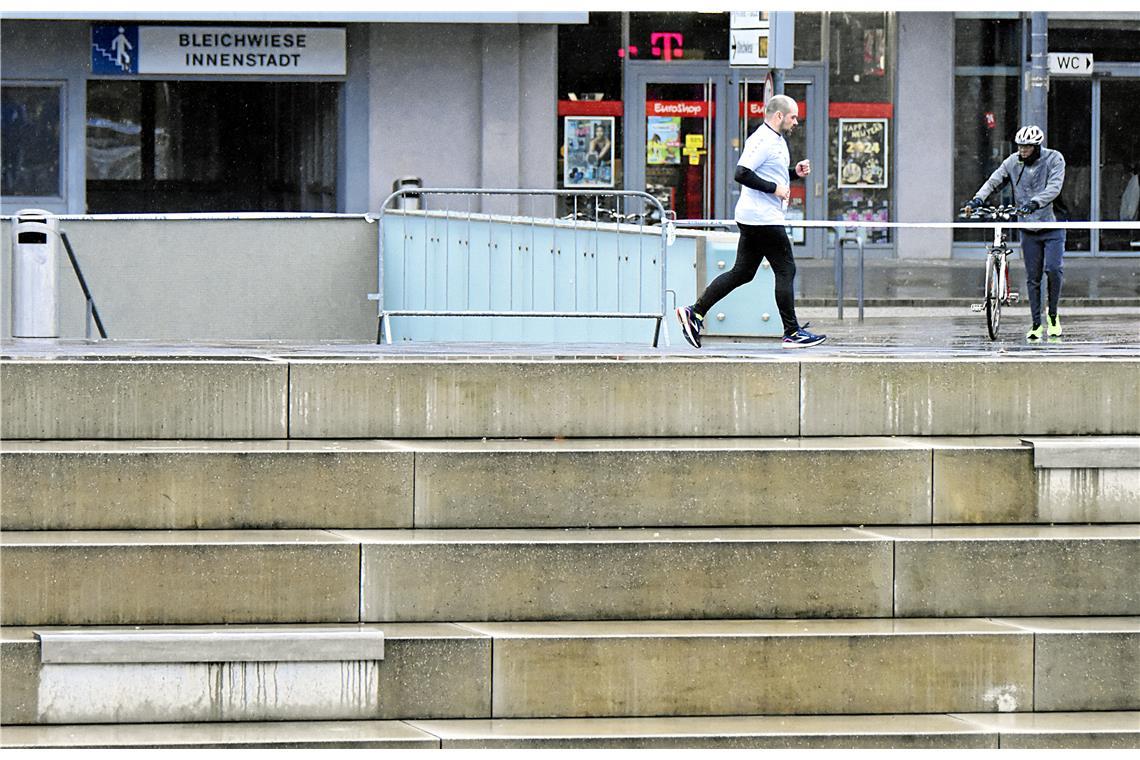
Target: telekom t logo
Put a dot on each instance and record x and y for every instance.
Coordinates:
(663, 45)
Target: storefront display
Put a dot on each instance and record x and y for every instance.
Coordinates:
(589, 151)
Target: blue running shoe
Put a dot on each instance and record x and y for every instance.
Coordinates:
(801, 338)
(690, 325)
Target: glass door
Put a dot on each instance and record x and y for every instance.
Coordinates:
(675, 136)
(1119, 159)
(680, 158)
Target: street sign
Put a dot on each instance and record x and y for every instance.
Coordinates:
(761, 39)
(1071, 64)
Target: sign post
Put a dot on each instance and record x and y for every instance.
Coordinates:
(759, 39)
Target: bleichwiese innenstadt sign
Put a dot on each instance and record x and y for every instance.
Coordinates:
(123, 50)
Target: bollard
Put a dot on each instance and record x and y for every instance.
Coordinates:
(35, 280)
(408, 201)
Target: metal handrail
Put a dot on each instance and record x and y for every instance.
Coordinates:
(383, 328)
(92, 310)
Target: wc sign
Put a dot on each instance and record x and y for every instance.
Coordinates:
(1070, 64)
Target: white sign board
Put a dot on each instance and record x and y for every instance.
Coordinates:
(748, 20)
(748, 47)
(1072, 64)
(275, 51)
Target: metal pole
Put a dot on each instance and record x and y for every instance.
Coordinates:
(839, 236)
(1037, 97)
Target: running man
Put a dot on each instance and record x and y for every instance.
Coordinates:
(763, 171)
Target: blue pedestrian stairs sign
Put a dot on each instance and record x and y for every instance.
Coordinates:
(114, 49)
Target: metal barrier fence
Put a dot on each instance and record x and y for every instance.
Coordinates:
(601, 256)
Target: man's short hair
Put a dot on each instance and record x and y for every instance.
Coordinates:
(781, 103)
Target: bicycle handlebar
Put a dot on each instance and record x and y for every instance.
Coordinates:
(989, 213)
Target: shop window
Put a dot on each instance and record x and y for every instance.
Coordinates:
(1117, 40)
(861, 119)
(987, 42)
(590, 109)
(1072, 137)
(986, 99)
(809, 37)
(30, 148)
(211, 146)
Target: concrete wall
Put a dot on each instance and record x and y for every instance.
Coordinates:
(924, 129)
(274, 279)
(463, 106)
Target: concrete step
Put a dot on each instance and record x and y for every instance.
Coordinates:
(1112, 730)
(657, 396)
(427, 670)
(143, 398)
(218, 485)
(961, 731)
(167, 577)
(615, 669)
(325, 734)
(171, 577)
(623, 669)
(748, 572)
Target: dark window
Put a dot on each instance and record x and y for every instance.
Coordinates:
(30, 140)
(211, 146)
(678, 36)
(588, 60)
(985, 120)
(1107, 41)
(987, 42)
(809, 36)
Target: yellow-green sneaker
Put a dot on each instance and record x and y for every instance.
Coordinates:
(1054, 326)
(1035, 333)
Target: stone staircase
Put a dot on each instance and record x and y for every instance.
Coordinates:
(646, 551)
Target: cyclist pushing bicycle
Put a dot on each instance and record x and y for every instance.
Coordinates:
(1036, 174)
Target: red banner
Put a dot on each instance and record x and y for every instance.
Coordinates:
(861, 110)
(686, 109)
(590, 108)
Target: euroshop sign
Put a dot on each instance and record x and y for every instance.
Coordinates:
(688, 109)
(125, 50)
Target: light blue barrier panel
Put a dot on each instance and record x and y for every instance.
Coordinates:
(744, 309)
(477, 262)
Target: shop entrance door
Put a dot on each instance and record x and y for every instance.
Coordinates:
(675, 135)
(1116, 147)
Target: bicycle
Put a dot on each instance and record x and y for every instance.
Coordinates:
(997, 292)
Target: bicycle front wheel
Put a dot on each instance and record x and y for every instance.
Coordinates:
(993, 296)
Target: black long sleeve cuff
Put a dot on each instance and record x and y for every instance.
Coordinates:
(749, 178)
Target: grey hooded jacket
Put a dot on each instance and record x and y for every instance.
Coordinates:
(1039, 182)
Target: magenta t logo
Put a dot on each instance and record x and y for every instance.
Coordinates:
(663, 45)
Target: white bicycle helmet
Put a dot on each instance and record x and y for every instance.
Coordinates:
(1029, 135)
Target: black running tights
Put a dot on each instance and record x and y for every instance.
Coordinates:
(757, 243)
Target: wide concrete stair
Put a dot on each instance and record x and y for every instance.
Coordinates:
(570, 553)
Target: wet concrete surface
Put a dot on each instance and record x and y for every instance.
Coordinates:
(904, 332)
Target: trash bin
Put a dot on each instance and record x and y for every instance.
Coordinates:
(408, 201)
(35, 278)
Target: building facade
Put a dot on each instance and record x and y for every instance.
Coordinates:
(902, 114)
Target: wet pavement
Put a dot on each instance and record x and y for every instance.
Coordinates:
(885, 332)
